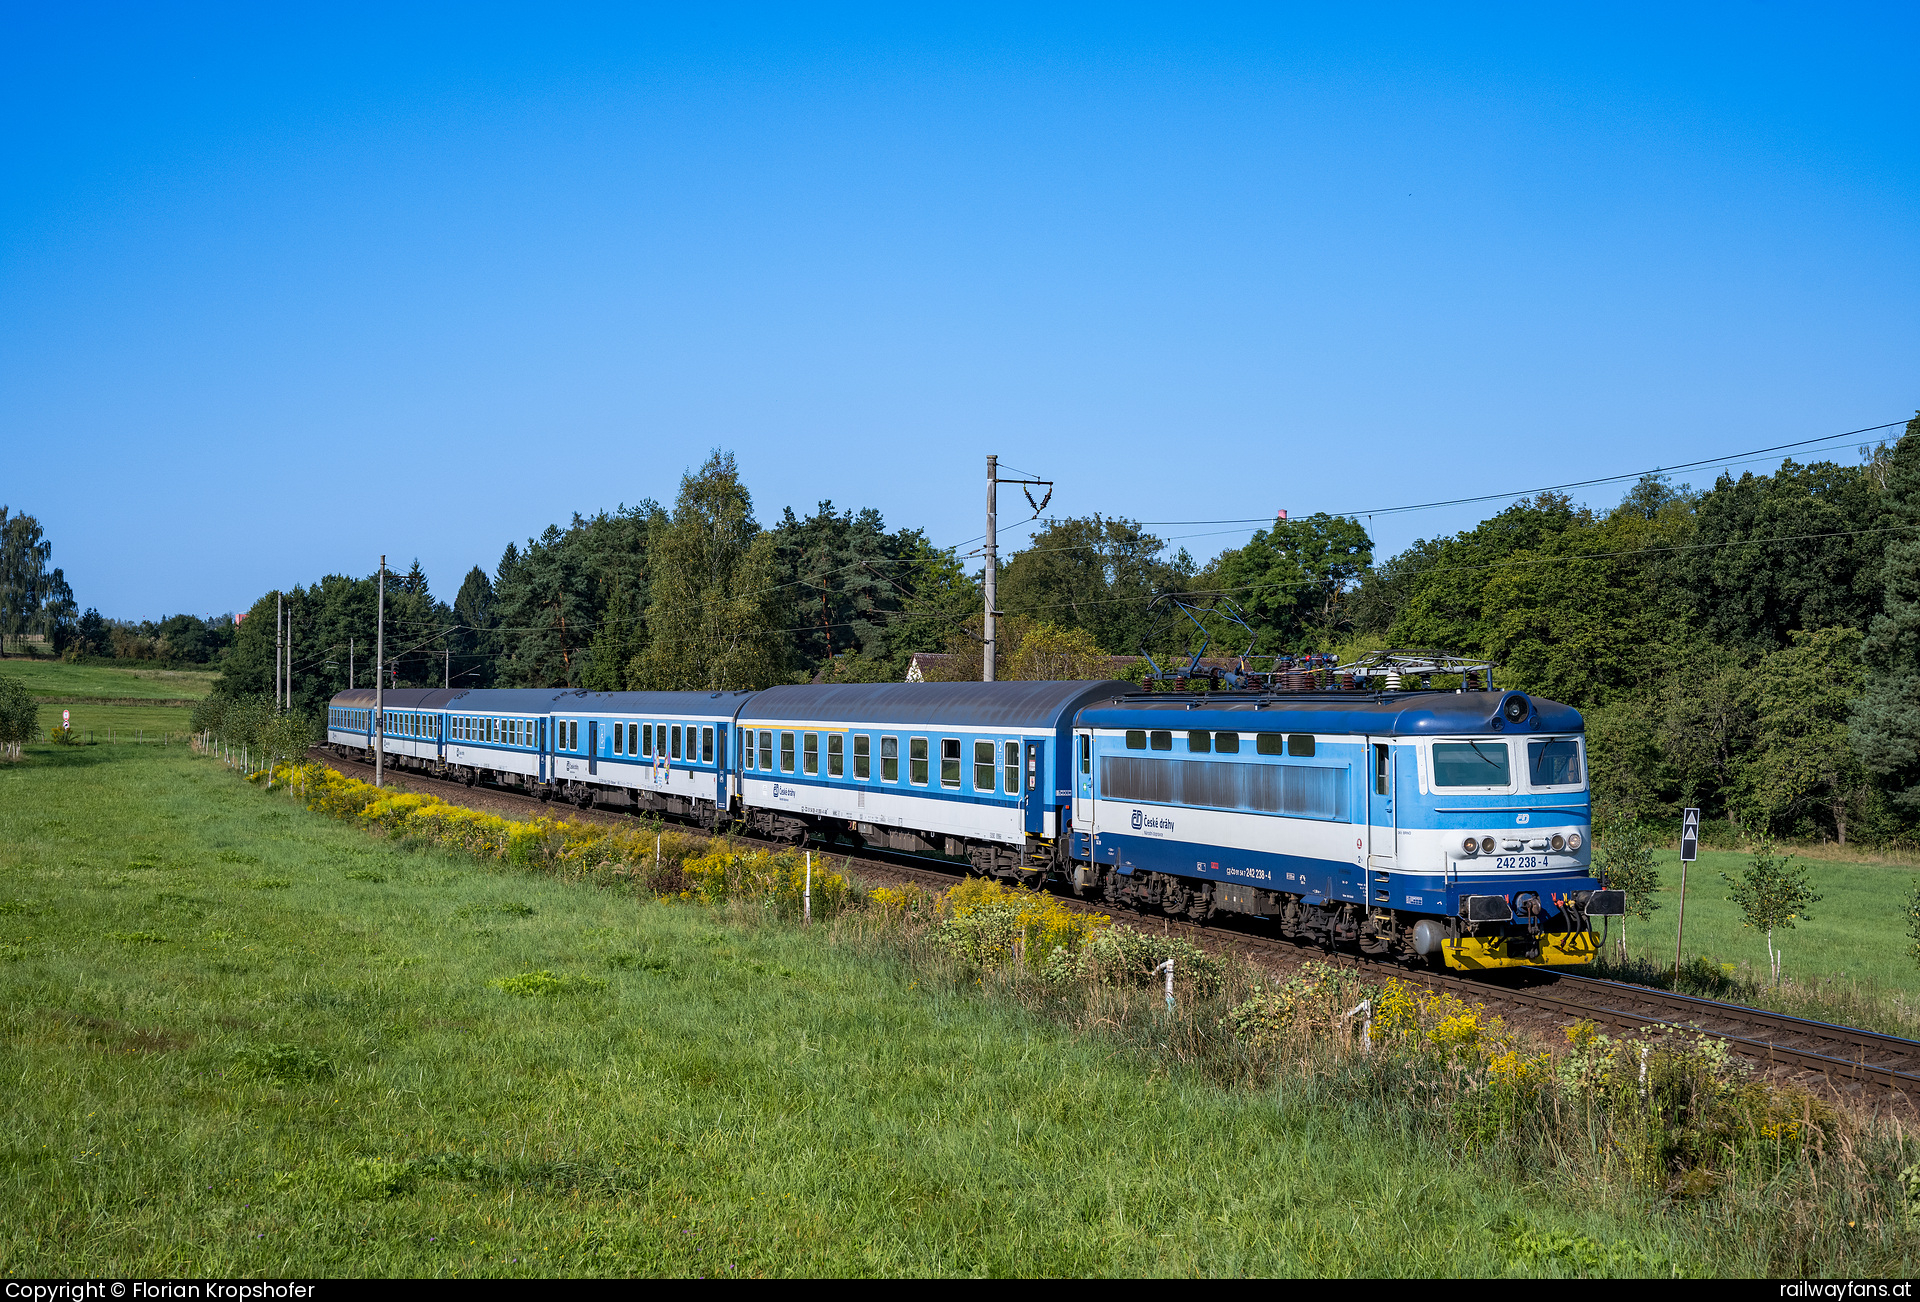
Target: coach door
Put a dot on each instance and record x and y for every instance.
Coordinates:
(1083, 782)
(1382, 819)
(1033, 797)
(593, 746)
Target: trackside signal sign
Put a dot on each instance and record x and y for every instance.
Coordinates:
(1689, 835)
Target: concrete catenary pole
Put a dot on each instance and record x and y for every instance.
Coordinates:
(379, 687)
(993, 483)
(279, 645)
(289, 657)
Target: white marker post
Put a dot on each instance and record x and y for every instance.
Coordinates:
(806, 905)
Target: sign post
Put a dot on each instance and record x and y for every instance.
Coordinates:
(1689, 851)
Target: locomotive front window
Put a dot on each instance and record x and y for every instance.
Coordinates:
(1199, 743)
(1227, 743)
(1301, 744)
(1010, 771)
(1553, 763)
(1470, 764)
(1161, 740)
(1136, 739)
(983, 779)
(862, 756)
(917, 761)
(889, 759)
(836, 755)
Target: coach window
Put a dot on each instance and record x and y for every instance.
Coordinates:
(633, 739)
(1226, 743)
(1136, 739)
(1160, 740)
(786, 752)
(810, 753)
(1010, 769)
(889, 759)
(766, 750)
(676, 741)
(619, 739)
(1300, 744)
(836, 755)
(950, 762)
(983, 779)
(917, 761)
(1269, 743)
(1199, 743)
(862, 757)
(706, 745)
(573, 734)
(660, 740)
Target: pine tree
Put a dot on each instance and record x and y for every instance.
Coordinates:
(1886, 721)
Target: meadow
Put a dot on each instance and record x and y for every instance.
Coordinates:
(246, 1039)
(57, 680)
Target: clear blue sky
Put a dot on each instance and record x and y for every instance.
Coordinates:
(517, 263)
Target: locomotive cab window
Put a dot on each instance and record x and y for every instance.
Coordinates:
(1300, 744)
(1471, 764)
(1380, 763)
(1086, 754)
(1554, 763)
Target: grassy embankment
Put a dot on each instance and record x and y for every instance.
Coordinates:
(1849, 962)
(118, 703)
(242, 1038)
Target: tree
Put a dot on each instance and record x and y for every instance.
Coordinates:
(1623, 851)
(24, 580)
(1293, 581)
(1886, 719)
(1773, 893)
(1803, 759)
(714, 587)
(19, 716)
(1049, 653)
(1095, 574)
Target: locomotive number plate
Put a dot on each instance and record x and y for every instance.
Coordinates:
(1522, 861)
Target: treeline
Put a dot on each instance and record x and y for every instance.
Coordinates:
(1752, 648)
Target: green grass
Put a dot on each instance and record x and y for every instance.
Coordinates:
(1857, 932)
(119, 722)
(242, 1039)
(57, 680)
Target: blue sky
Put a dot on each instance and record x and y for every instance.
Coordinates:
(256, 263)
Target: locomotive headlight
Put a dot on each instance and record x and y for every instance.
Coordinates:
(1486, 844)
(1470, 845)
(1573, 842)
(1515, 708)
(1559, 842)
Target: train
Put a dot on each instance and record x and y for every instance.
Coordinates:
(1445, 827)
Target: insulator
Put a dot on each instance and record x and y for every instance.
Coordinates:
(1393, 680)
(1348, 684)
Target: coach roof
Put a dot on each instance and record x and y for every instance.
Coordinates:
(1392, 714)
(929, 705)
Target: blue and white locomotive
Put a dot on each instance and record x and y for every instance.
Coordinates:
(1452, 826)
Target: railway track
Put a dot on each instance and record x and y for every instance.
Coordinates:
(1861, 1065)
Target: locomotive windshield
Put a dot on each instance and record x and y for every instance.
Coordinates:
(1554, 763)
(1470, 764)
